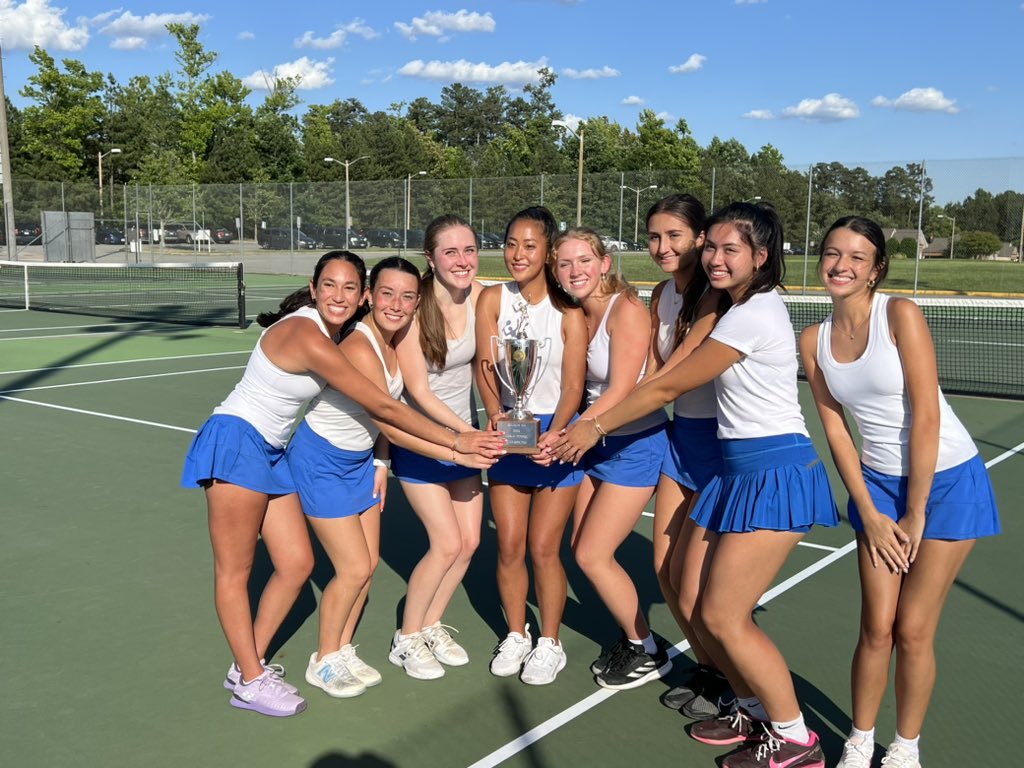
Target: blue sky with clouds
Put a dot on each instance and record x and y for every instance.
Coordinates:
(820, 80)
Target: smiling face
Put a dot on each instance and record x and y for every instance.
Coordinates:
(579, 269)
(729, 260)
(672, 243)
(394, 298)
(338, 293)
(848, 264)
(526, 249)
(455, 259)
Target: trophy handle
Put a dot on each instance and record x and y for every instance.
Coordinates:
(495, 349)
(542, 366)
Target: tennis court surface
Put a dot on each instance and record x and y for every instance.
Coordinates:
(113, 654)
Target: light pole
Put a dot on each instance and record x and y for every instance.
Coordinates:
(952, 234)
(636, 214)
(579, 167)
(99, 163)
(408, 207)
(346, 163)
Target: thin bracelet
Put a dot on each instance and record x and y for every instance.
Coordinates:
(600, 430)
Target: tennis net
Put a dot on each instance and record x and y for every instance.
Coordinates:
(194, 294)
(979, 343)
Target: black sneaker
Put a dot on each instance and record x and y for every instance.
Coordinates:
(633, 666)
(676, 697)
(715, 700)
(600, 664)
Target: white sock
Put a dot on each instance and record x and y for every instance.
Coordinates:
(857, 736)
(911, 745)
(794, 730)
(754, 707)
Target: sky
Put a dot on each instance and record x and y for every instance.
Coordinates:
(857, 82)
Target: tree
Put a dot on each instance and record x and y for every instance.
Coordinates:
(974, 244)
(60, 131)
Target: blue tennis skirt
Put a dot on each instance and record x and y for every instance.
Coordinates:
(517, 469)
(775, 483)
(694, 452)
(411, 467)
(331, 481)
(633, 461)
(229, 448)
(961, 504)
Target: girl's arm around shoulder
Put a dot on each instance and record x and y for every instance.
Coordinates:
(487, 307)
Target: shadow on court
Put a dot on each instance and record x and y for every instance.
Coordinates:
(339, 760)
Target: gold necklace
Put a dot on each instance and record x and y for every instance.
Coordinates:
(859, 325)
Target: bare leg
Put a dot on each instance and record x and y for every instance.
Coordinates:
(551, 510)
(511, 508)
(743, 566)
(287, 539)
(369, 522)
(235, 515)
(691, 558)
(610, 516)
(468, 504)
(670, 509)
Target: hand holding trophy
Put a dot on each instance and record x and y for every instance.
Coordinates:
(522, 364)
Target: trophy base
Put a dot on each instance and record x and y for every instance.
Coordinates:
(521, 435)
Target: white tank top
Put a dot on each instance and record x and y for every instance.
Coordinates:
(544, 323)
(599, 374)
(268, 397)
(453, 384)
(699, 403)
(874, 390)
(342, 421)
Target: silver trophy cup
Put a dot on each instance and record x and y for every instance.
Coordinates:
(518, 371)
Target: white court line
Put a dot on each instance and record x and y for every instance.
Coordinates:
(123, 362)
(552, 724)
(66, 327)
(123, 378)
(97, 413)
(79, 335)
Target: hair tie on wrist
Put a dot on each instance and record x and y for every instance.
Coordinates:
(600, 430)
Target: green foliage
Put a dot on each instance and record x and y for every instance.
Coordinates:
(974, 244)
(909, 247)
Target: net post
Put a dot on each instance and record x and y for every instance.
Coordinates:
(241, 296)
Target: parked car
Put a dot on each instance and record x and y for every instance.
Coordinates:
(383, 238)
(109, 236)
(334, 237)
(282, 237)
(180, 232)
(222, 235)
(491, 240)
(27, 235)
(611, 244)
(415, 239)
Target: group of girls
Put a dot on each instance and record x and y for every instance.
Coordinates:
(738, 481)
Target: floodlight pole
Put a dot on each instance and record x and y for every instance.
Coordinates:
(6, 177)
(952, 236)
(408, 208)
(99, 158)
(346, 163)
(579, 167)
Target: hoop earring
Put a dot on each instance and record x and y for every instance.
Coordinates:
(871, 283)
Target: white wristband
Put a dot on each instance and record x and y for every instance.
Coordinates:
(386, 463)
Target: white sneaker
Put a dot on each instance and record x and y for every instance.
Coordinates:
(443, 646)
(332, 676)
(544, 662)
(412, 655)
(510, 654)
(857, 754)
(366, 674)
(267, 695)
(898, 756)
(234, 676)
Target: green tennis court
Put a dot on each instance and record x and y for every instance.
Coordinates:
(114, 656)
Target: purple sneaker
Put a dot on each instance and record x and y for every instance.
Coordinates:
(234, 676)
(268, 696)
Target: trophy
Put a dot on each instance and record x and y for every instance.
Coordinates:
(522, 366)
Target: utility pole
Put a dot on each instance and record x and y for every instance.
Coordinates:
(6, 177)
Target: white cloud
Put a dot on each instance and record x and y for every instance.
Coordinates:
(827, 109)
(759, 114)
(246, 35)
(129, 43)
(507, 73)
(311, 75)
(127, 29)
(919, 100)
(338, 37)
(573, 121)
(666, 117)
(692, 64)
(36, 22)
(440, 24)
(590, 74)
(632, 101)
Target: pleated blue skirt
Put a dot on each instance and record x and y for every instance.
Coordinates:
(775, 483)
(230, 449)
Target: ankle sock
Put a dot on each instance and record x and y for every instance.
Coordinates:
(649, 645)
(911, 745)
(793, 730)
